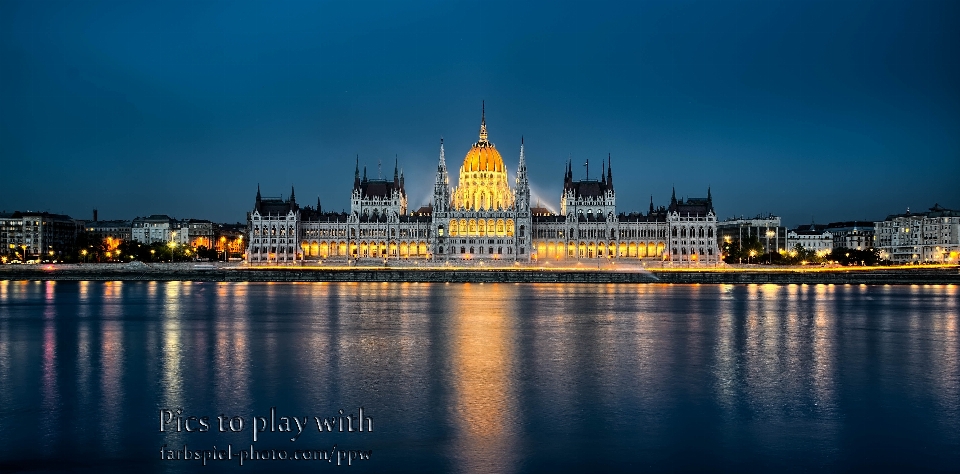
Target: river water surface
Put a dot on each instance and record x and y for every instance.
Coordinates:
(479, 377)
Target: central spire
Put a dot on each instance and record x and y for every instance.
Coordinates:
(483, 122)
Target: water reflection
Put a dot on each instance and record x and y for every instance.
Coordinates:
(482, 358)
(495, 377)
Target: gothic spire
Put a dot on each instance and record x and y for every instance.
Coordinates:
(258, 192)
(522, 169)
(651, 204)
(293, 198)
(443, 162)
(396, 161)
(609, 172)
(483, 122)
(356, 174)
(673, 197)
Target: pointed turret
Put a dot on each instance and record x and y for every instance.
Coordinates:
(396, 177)
(483, 122)
(603, 174)
(673, 197)
(364, 174)
(318, 204)
(609, 172)
(709, 199)
(523, 184)
(651, 204)
(441, 189)
(356, 174)
(257, 204)
(293, 195)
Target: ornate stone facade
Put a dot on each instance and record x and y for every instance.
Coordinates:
(484, 218)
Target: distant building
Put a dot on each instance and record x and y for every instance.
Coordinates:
(766, 229)
(111, 232)
(197, 233)
(856, 235)
(930, 237)
(36, 235)
(153, 229)
(812, 237)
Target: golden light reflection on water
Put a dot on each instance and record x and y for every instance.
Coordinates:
(112, 370)
(231, 349)
(483, 359)
(49, 390)
(946, 360)
(824, 347)
(172, 372)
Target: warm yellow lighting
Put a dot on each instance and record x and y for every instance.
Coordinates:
(483, 179)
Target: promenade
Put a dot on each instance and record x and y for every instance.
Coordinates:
(483, 273)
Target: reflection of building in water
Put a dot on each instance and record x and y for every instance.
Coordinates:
(484, 372)
(483, 218)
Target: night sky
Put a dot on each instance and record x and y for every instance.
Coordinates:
(830, 111)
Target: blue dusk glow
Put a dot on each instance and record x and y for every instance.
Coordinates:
(809, 110)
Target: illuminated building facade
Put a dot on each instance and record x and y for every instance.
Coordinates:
(483, 218)
(813, 237)
(929, 237)
(766, 229)
(26, 236)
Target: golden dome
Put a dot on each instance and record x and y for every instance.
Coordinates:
(483, 157)
(483, 178)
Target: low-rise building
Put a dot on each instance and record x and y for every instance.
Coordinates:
(856, 235)
(153, 229)
(813, 237)
(766, 229)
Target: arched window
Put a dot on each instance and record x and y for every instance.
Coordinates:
(463, 250)
(674, 232)
(441, 250)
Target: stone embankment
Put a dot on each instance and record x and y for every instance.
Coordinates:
(234, 273)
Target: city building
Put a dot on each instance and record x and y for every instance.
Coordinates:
(112, 233)
(766, 229)
(483, 218)
(856, 235)
(813, 237)
(29, 236)
(156, 228)
(196, 233)
(928, 237)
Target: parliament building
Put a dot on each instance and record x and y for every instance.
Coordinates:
(482, 218)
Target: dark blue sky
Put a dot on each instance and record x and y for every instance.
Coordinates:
(825, 110)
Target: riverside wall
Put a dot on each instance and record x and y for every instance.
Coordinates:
(918, 275)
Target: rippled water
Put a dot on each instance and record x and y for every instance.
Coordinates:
(484, 378)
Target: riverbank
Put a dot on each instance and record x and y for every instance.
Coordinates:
(904, 275)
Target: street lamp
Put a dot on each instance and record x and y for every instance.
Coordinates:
(84, 253)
